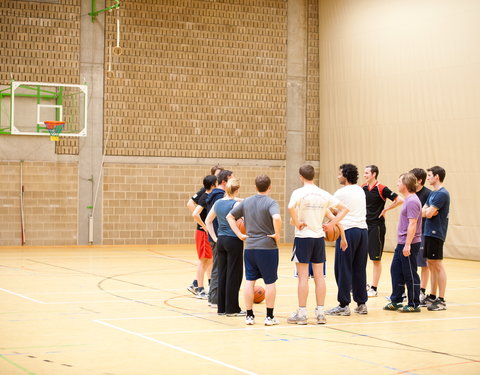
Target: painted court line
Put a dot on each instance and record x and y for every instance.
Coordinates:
(22, 296)
(175, 347)
(305, 326)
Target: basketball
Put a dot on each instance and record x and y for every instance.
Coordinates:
(241, 225)
(258, 294)
(332, 232)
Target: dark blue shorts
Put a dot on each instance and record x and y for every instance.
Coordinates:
(306, 250)
(261, 264)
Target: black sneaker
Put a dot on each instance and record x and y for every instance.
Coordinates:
(437, 305)
(426, 302)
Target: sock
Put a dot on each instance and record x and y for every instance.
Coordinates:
(441, 299)
(433, 296)
(195, 283)
(374, 288)
(200, 289)
(250, 313)
(270, 312)
(319, 309)
(209, 281)
(423, 290)
(302, 310)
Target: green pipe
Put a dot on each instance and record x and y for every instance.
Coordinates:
(94, 13)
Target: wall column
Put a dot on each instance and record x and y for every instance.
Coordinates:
(296, 101)
(92, 37)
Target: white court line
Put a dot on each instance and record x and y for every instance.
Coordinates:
(306, 326)
(22, 296)
(176, 348)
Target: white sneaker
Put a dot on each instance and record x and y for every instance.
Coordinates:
(271, 321)
(341, 311)
(372, 293)
(320, 316)
(361, 309)
(297, 318)
(250, 320)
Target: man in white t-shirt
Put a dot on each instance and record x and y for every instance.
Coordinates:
(351, 263)
(308, 206)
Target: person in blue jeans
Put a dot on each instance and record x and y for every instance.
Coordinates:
(404, 264)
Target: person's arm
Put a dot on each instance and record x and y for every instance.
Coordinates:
(196, 216)
(412, 228)
(233, 224)
(340, 212)
(294, 219)
(191, 205)
(397, 202)
(277, 226)
(429, 211)
(209, 223)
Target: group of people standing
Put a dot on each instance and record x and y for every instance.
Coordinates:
(359, 213)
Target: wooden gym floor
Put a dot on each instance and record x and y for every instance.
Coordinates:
(125, 310)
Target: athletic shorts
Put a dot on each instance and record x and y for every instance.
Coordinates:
(203, 246)
(376, 240)
(421, 260)
(433, 248)
(306, 250)
(261, 264)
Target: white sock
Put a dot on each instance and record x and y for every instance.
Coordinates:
(302, 310)
(319, 310)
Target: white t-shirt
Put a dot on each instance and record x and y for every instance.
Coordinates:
(311, 202)
(353, 197)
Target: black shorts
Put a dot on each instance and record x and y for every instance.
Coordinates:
(433, 248)
(376, 240)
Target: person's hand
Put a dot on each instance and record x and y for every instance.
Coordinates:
(406, 250)
(243, 237)
(300, 225)
(343, 244)
(275, 236)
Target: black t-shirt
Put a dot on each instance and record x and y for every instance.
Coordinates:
(203, 203)
(423, 194)
(198, 194)
(376, 198)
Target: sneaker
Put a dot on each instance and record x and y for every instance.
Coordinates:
(368, 287)
(320, 316)
(297, 318)
(437, 305)
(361, 309)
(192, 289)
(212, 305)
(427, 301)
(372, 293)
(422, 296)
(404, 296)
(249, 320)
(240, 313)
(343, 311)
(392, 306)
(408, 309)
(201, 295)
(271, 321)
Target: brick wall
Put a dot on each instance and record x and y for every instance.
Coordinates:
(194, 75)
(50, 203)
(146, 203)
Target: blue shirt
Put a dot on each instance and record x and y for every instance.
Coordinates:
(437, 225)
(222, 209)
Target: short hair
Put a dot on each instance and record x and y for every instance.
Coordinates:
(232, 186)
(262, 183)
(350, 172)
(307, 172)
(373, 169)
(209, 182)
(215, 168)
(420, 174)
(224, 175)
(410, 181)
(438, 171)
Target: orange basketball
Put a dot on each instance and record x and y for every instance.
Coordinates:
(258, 294)
(332, 232)
(241, 225)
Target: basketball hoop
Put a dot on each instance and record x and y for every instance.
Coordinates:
(54, 128)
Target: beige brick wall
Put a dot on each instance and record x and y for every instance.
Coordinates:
(40, 42)
(146, 203)
(50, 203)
(195, 75)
